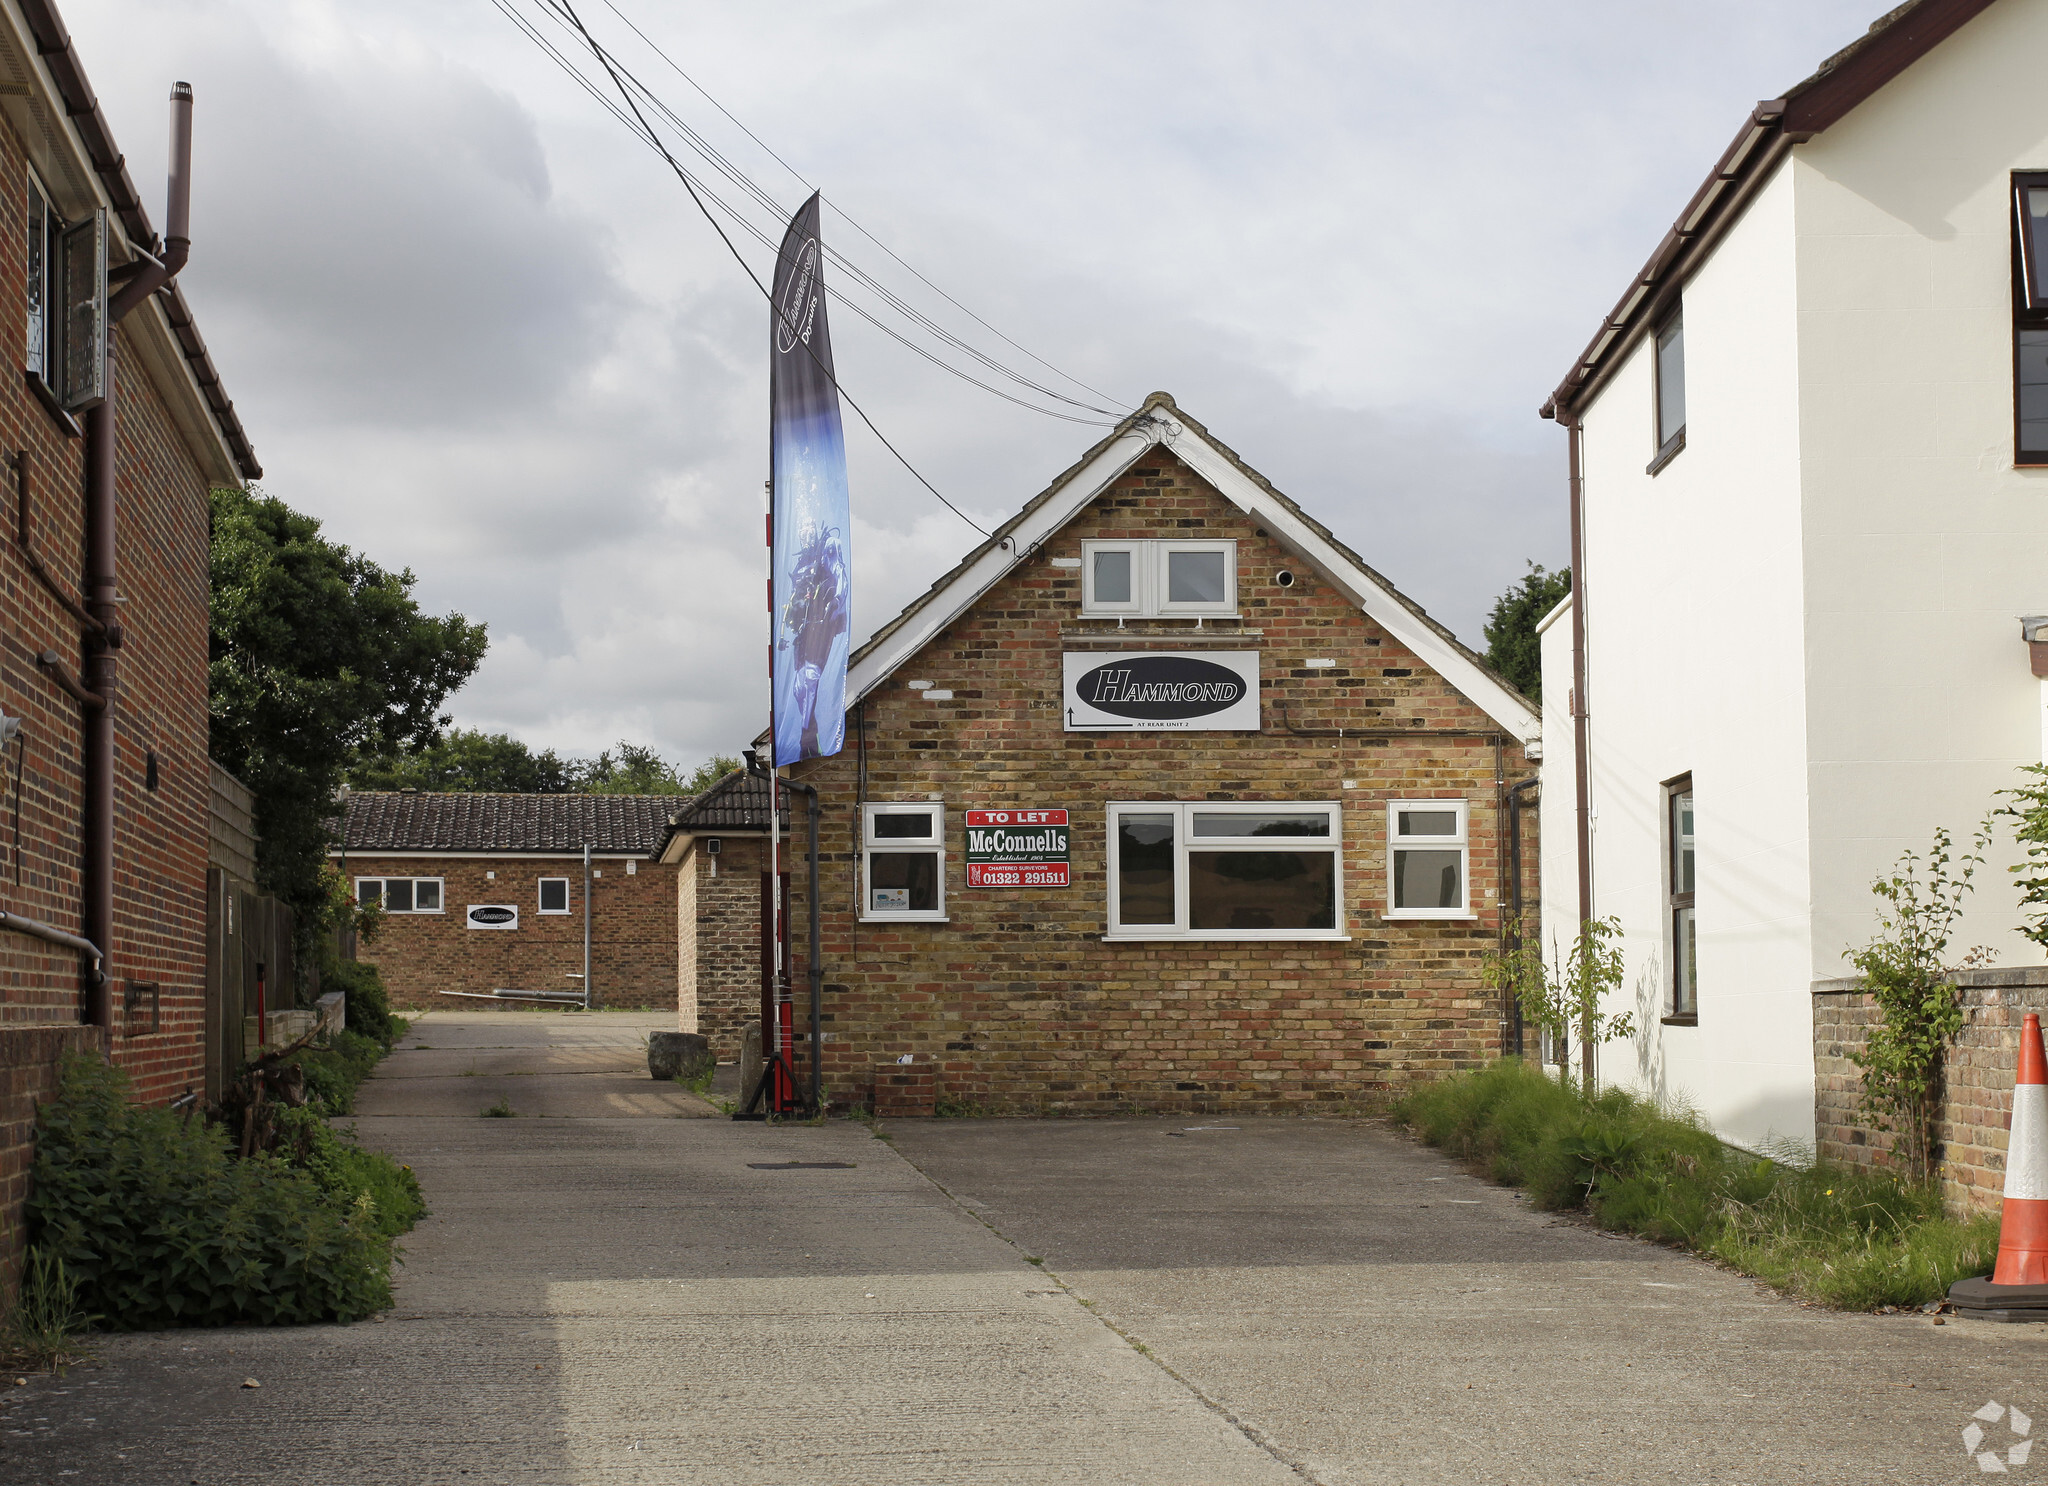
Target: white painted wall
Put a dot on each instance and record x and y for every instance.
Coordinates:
(1814, 607)
(1923, 543)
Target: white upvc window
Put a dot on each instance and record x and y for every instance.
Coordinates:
(903, 862)
(1158, 578)
(554, 895)
(1210, 870)
(401, 894)
(1429, 857)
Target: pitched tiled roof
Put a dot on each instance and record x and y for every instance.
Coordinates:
(509, 823)
(738, 802)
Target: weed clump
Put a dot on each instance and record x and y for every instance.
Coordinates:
(1843, 1236)
(158, 1224)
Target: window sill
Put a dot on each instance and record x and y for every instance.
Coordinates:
(1182, 615)
(1689, 1019)
(1412, 917)
(904, 918)
(1225, 936)
(53, 407)
(1674, 447)
(552, 912)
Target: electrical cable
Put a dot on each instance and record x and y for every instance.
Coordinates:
(766, 293)
(842, 212)
(718, 162)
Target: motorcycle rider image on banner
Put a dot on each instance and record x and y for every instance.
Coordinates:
(812, 573)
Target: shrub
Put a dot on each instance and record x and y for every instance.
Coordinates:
(334, 1067)
(1846, 1237)
(159, 1226)
(369, 1183)
(367, 1003)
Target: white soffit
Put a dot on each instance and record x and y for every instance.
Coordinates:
(917, 630)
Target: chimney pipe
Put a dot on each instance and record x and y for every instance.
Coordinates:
(177, 214)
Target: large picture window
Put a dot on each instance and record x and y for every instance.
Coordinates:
(903, 862)
(401, 894)
(1225, 871)
(1680, 882)
(1158, 579)
(1429, 850)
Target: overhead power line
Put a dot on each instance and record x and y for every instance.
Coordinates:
(605, 60)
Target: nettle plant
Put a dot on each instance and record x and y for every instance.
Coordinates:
(1919, 1006)
(1561, 996)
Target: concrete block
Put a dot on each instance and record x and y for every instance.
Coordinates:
(677, 1055)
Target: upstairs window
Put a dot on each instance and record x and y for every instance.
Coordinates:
(903, 862)
(65, 296)
(2030, 316)
(1670, 389)
(1154, 579)
(401, 894)
(42, 254)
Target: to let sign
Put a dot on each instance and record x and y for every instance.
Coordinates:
(1017, 848)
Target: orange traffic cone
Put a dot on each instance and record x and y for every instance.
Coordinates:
(2017, 1289)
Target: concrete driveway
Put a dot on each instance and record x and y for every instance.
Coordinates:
(683, 1300)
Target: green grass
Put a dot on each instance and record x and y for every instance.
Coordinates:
(1843, 1236)
(42, 1331)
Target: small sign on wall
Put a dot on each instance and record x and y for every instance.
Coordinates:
(492, 916)
(1017, 848)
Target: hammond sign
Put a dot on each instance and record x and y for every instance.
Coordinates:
(1162, 691)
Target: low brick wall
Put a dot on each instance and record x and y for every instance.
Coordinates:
(1977, 1110)
(29, 1060)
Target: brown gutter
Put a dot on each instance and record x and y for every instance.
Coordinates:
(1582, 794)
(53, 42)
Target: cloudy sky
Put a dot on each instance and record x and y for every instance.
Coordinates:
(480, 332)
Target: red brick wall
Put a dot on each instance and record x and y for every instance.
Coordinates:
(29, 1061)
(632, 940)
(719, 922)
(1977, 1108)
(1018, 1001)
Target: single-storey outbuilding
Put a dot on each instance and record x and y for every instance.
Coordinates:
(1162, 798)
(487, 892)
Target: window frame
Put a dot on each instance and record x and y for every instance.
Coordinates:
(1681, 999)
(440, 887)
(540, 902)
(1150, 558)
(2029, 312)
(873, 846)
(40, 322)
(1461, 842)
(1668, 447)
(1185, 842)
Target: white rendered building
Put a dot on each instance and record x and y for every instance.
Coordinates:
(1810, 499)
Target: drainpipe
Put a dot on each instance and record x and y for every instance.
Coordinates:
(1581, 713)
(586, 926)
(2034, 630)
(1513, 1011)
(102, 596)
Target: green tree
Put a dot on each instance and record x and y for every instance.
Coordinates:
(318, 657)
(1512, 646)
(1563, 996)
(467, 760)
(642, 771)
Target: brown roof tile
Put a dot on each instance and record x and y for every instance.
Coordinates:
(406, 821)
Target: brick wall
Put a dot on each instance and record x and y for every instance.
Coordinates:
(29, 1061)
(632, 940)
(1977, 1109)
(1017, 1001)
(719, 925)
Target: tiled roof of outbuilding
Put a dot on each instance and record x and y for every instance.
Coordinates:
(509, 823)
(738, 802)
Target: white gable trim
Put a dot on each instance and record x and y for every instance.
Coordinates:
(1508, 711)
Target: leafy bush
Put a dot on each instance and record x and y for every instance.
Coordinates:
(159, 1226)
(368, 1183)
(367, 1003)
(334, 1067)
(1843, 1236)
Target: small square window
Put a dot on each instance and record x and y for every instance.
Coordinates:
(1110, 576)
(903, 862)
(398, 895)
(1158, 578)
(1429, 859)
(554, 895)
(369, 890)
(426, 895)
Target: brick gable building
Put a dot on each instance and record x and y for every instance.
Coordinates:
(433, 859)
(1281, 791)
